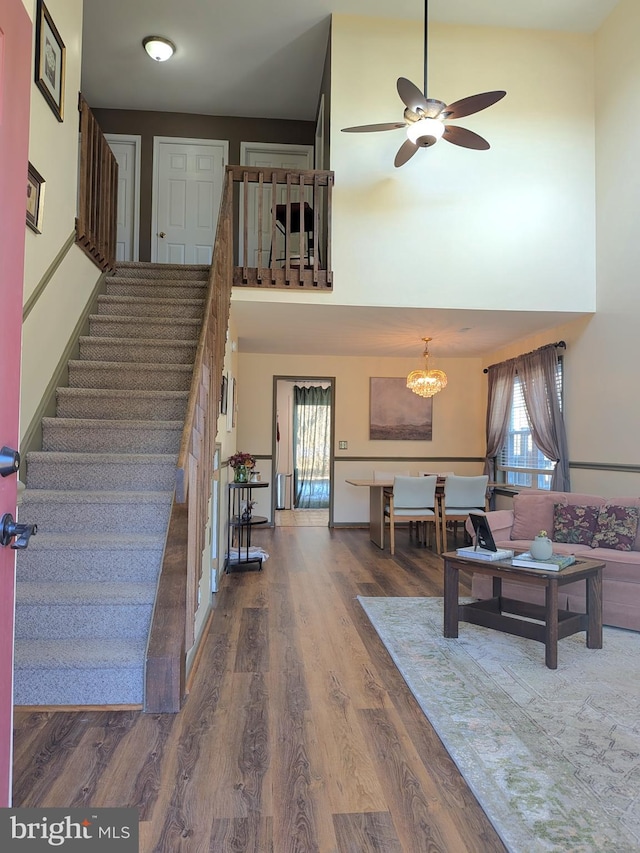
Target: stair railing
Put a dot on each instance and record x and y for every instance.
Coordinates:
(172, 630)
(285, 234)
(96, 223)
(173, 624)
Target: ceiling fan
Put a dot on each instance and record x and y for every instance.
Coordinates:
(424, 118)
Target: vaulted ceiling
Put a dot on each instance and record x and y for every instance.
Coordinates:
(265, 59)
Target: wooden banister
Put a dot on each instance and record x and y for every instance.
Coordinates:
(288, 189)
(96, 223)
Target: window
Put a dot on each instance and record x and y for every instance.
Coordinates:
(520, 461)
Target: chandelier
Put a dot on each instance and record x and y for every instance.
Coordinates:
(426, 383)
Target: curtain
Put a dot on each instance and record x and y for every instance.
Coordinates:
(501, 378)
(311, 433)
(537, 371)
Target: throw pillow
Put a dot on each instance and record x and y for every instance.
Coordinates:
(575, 524)
(617, 527)
(533, 513)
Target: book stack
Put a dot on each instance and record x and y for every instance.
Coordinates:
(484, 554)
(555, 563)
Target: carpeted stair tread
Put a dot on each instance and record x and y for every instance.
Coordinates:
(104, 435)
(65, 654)
(71, 495)
(156, 290)
(119, 512)
(78, 541)
(131, 376)
(141, 306)
(180, 272)
(102, 458)
(100, 471)
(97, 594)
(120, 405)
(137, 350)
(103, 671)
(154, 328)
(97, 557)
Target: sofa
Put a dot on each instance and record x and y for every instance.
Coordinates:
(591, 526)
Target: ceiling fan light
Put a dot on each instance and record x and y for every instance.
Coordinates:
(425, 132)
(159, 48)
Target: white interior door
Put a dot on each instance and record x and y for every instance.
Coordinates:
(126, 150)
(188, 181)
(265, 155)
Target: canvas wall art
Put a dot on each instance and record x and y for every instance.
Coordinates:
(396, 413)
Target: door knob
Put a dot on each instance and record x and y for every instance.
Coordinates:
(10, 528)
(9, 461)
(162, 234)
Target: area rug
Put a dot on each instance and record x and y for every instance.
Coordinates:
(553, 756)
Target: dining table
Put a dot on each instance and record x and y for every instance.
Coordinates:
(379, 491)
(376, 506)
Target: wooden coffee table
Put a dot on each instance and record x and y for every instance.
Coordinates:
(498, 612)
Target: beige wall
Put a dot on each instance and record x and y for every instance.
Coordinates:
(510, 228)
(53, 151)
(602, 406)
(458, 418)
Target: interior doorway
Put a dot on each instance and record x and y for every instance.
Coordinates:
(303, 463)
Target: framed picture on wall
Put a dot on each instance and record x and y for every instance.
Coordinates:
(35, 199)
(224, 393)
(50, 61)
(396, 413)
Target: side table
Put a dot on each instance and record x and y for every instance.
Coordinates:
(241, 521)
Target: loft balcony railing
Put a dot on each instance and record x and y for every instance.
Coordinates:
(284, 228)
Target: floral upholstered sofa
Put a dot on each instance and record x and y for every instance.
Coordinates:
(590, 526)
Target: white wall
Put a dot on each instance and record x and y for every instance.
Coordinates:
(510, 228)
(53, 151)
(602, 405)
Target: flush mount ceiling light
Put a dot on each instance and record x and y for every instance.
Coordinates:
(426, 383)
(159, 48)
(424, 118)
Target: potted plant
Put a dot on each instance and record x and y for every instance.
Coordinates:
(241, 463)
(541, 547)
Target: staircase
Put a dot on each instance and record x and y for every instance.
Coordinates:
(100, 492)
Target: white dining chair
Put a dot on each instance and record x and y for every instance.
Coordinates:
(413, 499)
(461, 496)
(386, 476)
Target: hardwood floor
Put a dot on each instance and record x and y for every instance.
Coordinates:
(299, 734)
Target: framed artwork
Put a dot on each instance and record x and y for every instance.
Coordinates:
(35, 199)
(50, 61)
(223, 395)
(231, 410)
(396, 413)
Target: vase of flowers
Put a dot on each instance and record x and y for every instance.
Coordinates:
(242, 463)
(541, 547)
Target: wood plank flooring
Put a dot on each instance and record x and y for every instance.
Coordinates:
(298, 735)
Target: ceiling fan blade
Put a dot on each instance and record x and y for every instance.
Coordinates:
(370, 128)
(411, 96)
(405, 153)
(472, 104)
(465, 138)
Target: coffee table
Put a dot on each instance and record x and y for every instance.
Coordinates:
(501, 613)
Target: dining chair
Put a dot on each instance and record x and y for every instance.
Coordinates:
(461, 496)
(386, 493)
(413, 499)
